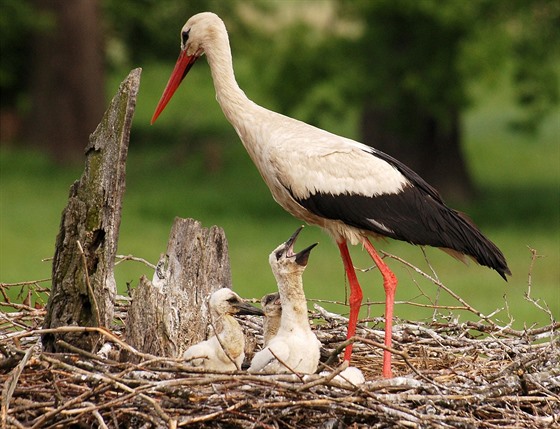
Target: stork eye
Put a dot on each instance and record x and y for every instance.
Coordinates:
(232, 300)
(185, 36)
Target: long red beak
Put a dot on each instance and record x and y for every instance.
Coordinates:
(182, 67)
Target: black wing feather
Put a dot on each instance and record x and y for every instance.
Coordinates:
(416, 214)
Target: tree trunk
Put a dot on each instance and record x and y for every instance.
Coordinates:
(67, 82)
(170, 313)
(427, 145)
(83, 284)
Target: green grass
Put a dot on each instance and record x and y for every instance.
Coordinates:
(167, 175)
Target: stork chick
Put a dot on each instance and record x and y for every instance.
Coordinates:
(225, 350)
(272, 308)
(295, 347)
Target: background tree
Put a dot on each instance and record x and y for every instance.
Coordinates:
(54, 59)
(18, 20)
(408, 64)
(149, 29)
(402, 67)
(67, 85)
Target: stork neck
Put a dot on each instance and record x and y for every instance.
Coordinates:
(270, 328)
(294, 305)
(229, 328)
(232, 99)
(223, 322)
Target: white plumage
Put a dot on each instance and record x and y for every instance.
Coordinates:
(295, 347)
(351, 375)
(350, 190)
(225, 350)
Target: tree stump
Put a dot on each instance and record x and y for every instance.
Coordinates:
(170, 313)
(83, 284)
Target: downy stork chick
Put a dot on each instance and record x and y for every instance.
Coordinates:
(295, 347)
(225, 350)
(351, 375)
(351, 190)
(272, 308)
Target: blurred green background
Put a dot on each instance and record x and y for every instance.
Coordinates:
(314, 60)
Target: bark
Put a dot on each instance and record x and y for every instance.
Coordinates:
(83, 283)
(67, 78)
(170, 313)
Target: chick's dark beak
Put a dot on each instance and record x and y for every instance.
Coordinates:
(246, 308)
(303, 256)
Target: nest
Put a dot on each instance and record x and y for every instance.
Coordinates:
(447, 374)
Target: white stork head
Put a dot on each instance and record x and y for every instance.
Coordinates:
(284, 261)
(200, 31)
(225, 301)
(271, 305)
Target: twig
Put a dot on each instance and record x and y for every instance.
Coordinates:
(212, 416)
(97, 416)
(325, 379)
(88, 284)
(135, 259)
(535, 302)
(221, 344)
(103, 331)
(29, 282)
(285, 365)
(442, 286)
(84, 353)
(10, 384)
(404, 356)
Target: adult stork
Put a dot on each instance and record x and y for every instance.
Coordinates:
(350, 190)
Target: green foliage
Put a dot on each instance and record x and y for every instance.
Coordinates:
(403, 53)
(149, 29)
(412, 56)
(19, 22)
(536, 43)
(409, 58)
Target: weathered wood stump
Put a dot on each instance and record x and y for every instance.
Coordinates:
(83, 283)
(170, 312)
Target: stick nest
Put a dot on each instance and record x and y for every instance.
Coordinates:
(447, 374)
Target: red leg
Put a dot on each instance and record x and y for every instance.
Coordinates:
(390, 286)
(355, 299)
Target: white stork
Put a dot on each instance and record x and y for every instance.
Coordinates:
(294, 347)
(225, 350)
(272, 309)
(349, 189)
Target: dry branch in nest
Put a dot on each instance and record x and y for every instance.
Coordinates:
(448, 374)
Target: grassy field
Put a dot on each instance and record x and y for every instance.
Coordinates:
(168, 175)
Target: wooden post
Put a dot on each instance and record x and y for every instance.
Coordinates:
(170, 312)
(83, 284)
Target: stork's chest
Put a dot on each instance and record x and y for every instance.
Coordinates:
(232, 336)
